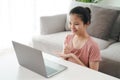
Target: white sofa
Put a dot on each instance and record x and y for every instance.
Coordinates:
(52, 37)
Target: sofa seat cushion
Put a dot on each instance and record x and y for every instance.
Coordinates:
(112, 52)
(103, 43)
(54, 42)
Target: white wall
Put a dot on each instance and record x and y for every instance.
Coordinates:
(22, 19)
(17, 21)
(4, 24)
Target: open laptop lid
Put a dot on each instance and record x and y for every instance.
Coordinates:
(30, 58)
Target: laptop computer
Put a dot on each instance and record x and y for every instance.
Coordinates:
(33, 60)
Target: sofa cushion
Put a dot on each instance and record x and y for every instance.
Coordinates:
(54, 42)
(116, 29)
(103, 43)
(102, 21)
(108, 52)
(116, 26)
(52, 24)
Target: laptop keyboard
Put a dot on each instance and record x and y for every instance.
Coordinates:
(50, 70)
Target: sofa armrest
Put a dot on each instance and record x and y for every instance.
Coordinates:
(52, 24)
(110, 63)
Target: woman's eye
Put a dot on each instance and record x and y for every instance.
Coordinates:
(76, 24)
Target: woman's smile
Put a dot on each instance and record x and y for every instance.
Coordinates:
(74, 30)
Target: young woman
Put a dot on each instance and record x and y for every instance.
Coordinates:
(79, 47)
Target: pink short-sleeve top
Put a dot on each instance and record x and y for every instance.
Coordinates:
(89, 52)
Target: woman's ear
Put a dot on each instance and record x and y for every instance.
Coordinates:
(88, 23)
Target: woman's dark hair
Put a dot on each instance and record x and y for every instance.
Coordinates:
(83, 13)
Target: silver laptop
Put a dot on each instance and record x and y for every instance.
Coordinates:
(33, 59)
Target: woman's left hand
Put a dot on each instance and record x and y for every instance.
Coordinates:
(65, 56)
(60, 54)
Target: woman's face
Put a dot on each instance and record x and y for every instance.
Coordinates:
(77, 26)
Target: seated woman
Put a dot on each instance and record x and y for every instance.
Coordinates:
(79, 47)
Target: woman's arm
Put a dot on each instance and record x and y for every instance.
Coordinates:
(78, 61)
(94, 65)
(70, 55)
(66, 54)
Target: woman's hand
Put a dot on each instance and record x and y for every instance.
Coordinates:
(72, 56)
(67, 49)
(94, 65)
(60, 54)
(65, 56)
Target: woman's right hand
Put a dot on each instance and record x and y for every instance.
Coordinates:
(61, 54)
(67, 49)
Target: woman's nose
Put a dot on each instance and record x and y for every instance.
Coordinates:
(72, 26)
